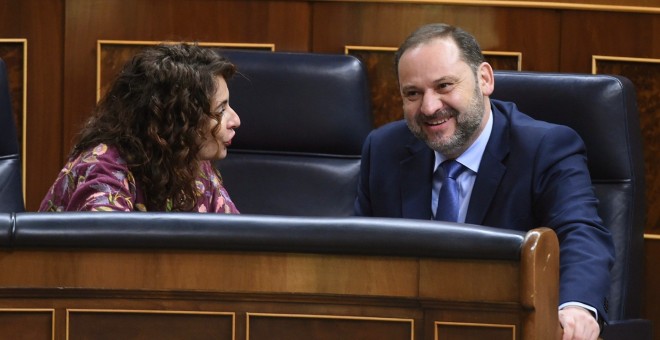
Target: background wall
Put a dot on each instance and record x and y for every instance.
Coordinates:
(61, 67)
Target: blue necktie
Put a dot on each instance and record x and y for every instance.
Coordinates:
(448, 202)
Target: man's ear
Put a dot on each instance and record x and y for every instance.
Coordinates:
(486, 78)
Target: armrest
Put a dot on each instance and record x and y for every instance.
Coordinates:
(639, 329)
(344, 235)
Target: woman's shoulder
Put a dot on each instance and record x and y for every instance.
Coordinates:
(101, 153)
(212, 189)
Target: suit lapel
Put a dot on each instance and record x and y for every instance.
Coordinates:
(416, 189)
(491, 170)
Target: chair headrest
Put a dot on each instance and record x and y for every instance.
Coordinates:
(299, 102)
(601, 108)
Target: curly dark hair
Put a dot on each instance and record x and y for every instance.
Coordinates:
(154, 114)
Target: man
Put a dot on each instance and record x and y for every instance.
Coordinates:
(514, 172)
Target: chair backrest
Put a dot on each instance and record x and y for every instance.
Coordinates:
(603, 110)
(11, 194)
(304, 117)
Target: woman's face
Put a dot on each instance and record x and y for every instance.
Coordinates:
(218, 134)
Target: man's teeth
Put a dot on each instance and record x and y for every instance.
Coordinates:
(438, 122)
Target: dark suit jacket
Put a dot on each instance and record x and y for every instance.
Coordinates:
(532, 174)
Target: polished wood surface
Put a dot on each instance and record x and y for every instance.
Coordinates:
(138, 294)
(646, 6)
(41, 24)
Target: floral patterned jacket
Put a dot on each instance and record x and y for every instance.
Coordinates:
(99, 180)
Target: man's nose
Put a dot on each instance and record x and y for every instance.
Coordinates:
(431, 103)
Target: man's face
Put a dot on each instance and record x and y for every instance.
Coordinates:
(443, 101)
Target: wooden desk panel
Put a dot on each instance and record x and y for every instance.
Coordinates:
(252, 295)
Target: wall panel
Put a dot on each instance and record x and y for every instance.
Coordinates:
(62, 38)
(40, 23)
(533, 32)
(594, 33)
(284, 23)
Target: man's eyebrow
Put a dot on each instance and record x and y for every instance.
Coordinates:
(444, 79)
(408, 87)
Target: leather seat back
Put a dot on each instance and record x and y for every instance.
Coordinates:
(304, 118)
(603, 110)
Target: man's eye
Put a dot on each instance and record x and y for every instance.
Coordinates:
(411, 94)
(445, 86)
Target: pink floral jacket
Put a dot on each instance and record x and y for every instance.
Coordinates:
(99, 180)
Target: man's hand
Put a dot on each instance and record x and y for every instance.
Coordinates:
(578, 324)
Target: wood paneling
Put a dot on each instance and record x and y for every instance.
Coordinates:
(40, 23)
(160, 293)
(28, 324)
(62, 37)
(327, 327)
(633, 35)
(284, 23)
(532, 32)
(592, 5)
(125, 324)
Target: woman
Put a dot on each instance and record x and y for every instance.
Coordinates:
(149, 143)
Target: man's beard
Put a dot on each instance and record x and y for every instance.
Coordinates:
(466, 124)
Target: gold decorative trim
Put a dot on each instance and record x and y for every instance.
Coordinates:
(506, 54)
(335, 317)
(147, 311)
(99, 43)
(471, 324)
(35, 310)
(349, 48)
(655, 237)
(596, 58)
(24, 113)
(518, 4)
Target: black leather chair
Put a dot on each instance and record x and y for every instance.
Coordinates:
(11, 194)
(304, 118)
(603, 110)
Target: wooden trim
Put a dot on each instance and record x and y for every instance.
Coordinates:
(349, 48)
(331, 317)
(471, 324)
(139, 311)
(519, 4)
(35, 310)
(596, 58)
(99, 43)
(508, 54)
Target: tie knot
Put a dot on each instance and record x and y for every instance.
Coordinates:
(452, 168)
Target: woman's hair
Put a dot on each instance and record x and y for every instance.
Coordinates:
(155, 113)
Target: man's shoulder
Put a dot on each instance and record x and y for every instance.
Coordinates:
(518, 118)
(396, 130)
(523, 122)
(529, 131)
